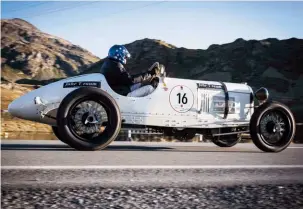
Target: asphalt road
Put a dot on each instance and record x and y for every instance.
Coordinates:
(48, 174)
(55, 153)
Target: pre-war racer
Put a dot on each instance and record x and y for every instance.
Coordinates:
(88, 111)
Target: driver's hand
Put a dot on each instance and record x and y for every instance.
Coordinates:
(155, 71)
(147, 80)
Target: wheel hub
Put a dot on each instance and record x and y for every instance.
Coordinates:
(272, 127)
(89, 117)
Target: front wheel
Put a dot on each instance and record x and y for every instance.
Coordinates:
(272, 127)
(81, 117)
(57, 134)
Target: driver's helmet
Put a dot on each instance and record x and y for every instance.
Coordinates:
(119, 53)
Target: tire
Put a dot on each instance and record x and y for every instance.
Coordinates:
(226, 141)
(56, 132)
(261, 131)
(88, 141)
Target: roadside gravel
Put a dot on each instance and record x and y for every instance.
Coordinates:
(249, 196)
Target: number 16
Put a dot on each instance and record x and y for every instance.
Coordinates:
(184, 98)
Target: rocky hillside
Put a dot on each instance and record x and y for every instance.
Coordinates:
(28, 53)
(259, 63)
(272, 63)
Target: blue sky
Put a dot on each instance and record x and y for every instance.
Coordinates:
(98, 25)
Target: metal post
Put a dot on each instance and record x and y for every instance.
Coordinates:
(129, 135)
(201, 137)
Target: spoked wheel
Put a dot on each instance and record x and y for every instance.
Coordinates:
(86, 119)
(272, 127)
(89, 119)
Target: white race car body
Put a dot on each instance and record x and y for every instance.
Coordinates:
(175, 103)
(74, 107)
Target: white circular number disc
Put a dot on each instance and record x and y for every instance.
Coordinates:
(181, 98)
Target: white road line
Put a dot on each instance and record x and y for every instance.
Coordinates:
(97, 167)
(294, 147)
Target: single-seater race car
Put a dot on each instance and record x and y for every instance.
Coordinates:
(87, 114)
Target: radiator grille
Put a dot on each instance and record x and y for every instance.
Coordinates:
(205, 102)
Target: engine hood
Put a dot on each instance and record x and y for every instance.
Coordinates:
(30, 105)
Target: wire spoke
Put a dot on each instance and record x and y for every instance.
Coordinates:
(273, 127)
(87, 118)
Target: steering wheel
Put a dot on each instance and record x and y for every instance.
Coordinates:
(155, 81)
(159, 67)
(156, 64)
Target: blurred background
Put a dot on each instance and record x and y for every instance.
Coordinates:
(255, 42)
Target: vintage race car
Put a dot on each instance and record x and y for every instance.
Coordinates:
(87, 114)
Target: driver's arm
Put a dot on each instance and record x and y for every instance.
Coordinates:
(123, 77)
(139, 77)
(126, 79)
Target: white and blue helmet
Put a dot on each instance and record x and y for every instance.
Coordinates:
(119, 53)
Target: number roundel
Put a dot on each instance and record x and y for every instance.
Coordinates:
(181, 98)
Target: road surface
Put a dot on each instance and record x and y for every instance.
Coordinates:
(49, 174)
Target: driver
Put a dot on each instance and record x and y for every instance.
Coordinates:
(120, 80)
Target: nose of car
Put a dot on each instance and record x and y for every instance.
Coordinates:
(21, 108)
(13, 108)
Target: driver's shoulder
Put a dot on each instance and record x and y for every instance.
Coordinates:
(121, 67)
(112, 66)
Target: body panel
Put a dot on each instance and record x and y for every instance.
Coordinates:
(174, 103)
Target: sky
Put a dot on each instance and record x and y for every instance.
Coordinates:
(96, 26)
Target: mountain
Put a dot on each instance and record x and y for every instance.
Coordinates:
(30, 54)
(271, 63)
(259, 63)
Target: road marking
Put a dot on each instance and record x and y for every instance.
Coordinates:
(295, 147)
(97, 167)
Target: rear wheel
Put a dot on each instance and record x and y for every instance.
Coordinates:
(272, 127)
(81, 118)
